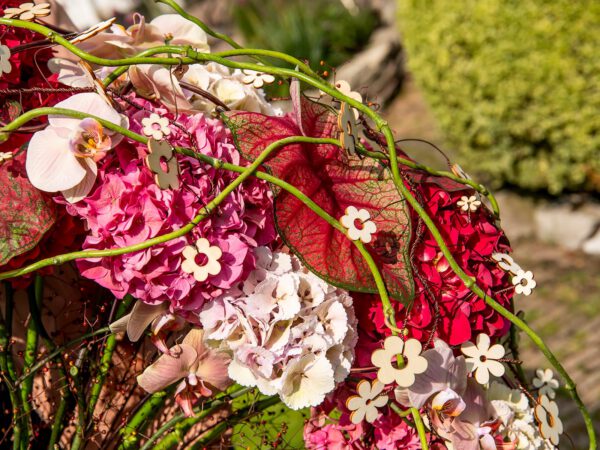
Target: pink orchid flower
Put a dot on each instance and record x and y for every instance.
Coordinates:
(459, 411)
(199, 367)
(143, 315)
(63, 156)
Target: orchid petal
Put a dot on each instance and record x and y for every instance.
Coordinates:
(167, 369)
(89, 103)
(142, 315)
(50, 165)
(81, 190)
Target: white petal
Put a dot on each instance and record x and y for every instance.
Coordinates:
(87, 102)
(81, 191)
(50, 165)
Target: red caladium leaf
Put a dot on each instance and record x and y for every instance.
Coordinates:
(25, 212)
(334, 181)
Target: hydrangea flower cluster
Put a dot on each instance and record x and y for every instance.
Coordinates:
(127, 208)
(517, 418)
(439, 292)
(273, 290)
(290, 332)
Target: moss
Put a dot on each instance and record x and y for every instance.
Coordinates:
(513, 85)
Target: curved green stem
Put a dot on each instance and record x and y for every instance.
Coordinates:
(179, 10)
(439, 173)
(472, 285)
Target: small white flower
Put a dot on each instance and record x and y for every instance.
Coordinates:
(413, 362)
(359, 224)
(210, 265)
(257, 79)
(482, 359)
(156, 127)
(546, 413)
(5, 66)
(5, 156)
(28, 11)
(524, 282)
(468, 203)
(364, 405)
(506, 262)
(546, 383)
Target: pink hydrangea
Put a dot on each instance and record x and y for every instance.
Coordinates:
(388, 432)
(127, 207)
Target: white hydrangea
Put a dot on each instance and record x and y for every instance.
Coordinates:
(228, 86)
(290, 333)
(516, 414)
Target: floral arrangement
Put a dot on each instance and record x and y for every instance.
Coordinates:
(189, 263)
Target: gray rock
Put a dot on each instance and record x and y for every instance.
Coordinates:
(565, 225)
(592, 245)
(517, 213)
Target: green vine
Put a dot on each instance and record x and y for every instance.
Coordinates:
(188, 55)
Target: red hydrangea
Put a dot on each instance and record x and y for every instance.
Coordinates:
(472, 239)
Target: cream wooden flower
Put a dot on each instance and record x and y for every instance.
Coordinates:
(482, 359)
(364, 405)
(155, 126)
(386, 358)
(358, 223)
(210, 265)
(5, 66)
(344, 88)
(257, 79)
(524, 282)
(550, 425)
(506, 262)
(468, 203)
(545, 382)
(28, 11)
(5, 156)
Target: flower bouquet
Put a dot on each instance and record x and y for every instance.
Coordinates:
(188, 263)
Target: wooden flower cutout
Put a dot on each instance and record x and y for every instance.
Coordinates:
(364, 405)
(344, 87)
(359, 224)
(162, 162)
(550, 425)
(257, 79)
(201, 260)
(156, 127)
(483, 359)
(524, 282)
(506, 263)
(348, 126)
(545, 382)
(28, 11)
(389, 367)
(5, 66)
(5, 156)
(468, 203)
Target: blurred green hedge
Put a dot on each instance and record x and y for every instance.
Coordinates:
(514, 84)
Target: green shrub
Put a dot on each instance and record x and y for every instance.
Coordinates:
(514, 85)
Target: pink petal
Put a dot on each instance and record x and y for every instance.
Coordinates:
(142, 315)
(50, 165)
(167, 369)
(81, 190)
